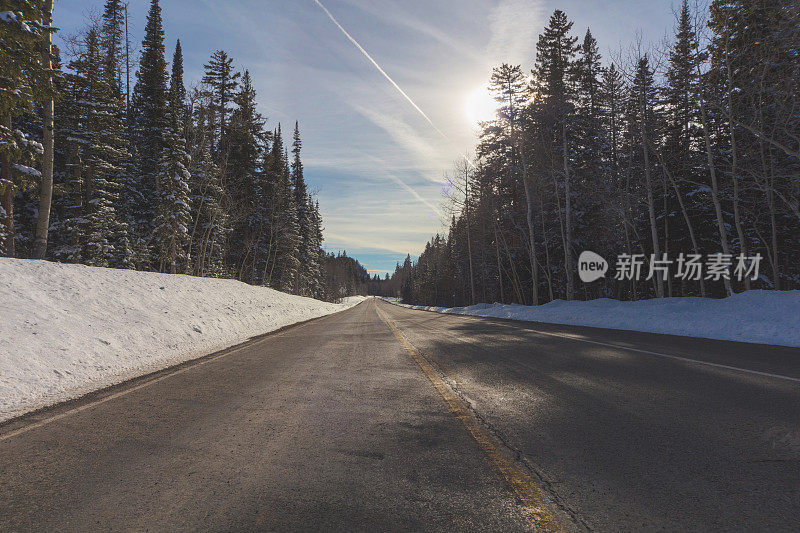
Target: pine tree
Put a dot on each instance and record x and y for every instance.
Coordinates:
(508, 85)
(171, 226)
(150, 125)
(113, 43)
(681, 159)
(590, 168)
(92, 232)
(24, 82)
(245, 145)
(210, 222)
(553, 75)
(305, 277)
(284, 231)
(317, 253)
(680, 94)
(223, 82)
(171, 235)
(555, 53)
(588, 71)
(643, 94)
(612, 96)
(177, 90)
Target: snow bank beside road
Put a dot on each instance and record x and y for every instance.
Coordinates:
(764, 317)
(66, 330)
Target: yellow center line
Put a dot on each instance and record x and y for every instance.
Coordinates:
(535, 504)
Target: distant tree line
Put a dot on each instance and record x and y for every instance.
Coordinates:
(345, 276)
(693, 150)
(156, 176)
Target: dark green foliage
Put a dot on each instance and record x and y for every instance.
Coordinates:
(222, 81)
(24, 83)
(182, 183)
(150, 123)
(344, 276)
(90, 229)
(113, 44)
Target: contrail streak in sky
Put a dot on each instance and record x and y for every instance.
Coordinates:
(402, 92)
(377, 66)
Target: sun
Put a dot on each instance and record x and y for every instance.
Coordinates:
(479, 106)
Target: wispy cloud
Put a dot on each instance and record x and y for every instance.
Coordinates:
(351, 241)
(422, 148)
(415, 194)
(514, 25)
(423, 20)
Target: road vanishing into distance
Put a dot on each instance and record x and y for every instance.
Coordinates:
(382, 418)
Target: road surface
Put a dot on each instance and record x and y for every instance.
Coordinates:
(383, 418)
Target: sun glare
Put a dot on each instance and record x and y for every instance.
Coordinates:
(479, 106)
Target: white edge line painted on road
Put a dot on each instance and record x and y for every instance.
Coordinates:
(638, 350)
(675, 357)
(191, 365)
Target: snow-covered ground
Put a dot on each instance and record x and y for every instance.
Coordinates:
(66, 330)
(764, 317)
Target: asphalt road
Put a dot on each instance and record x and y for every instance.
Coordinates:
(395, 419)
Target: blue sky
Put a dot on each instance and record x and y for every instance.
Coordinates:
(375, 162)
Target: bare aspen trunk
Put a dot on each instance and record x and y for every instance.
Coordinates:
(723, 234)
(484, 263)
(515, 281)
(625, 214)
(243, 270)
(668, 294)
(469, 237)
(46, 191)
(272, 266)
(267, 277)
(686, 218)
(774, 226)
(499, 265)
(568, 218)
(737, 219)
(773, 253)
(205, 254)
(531, 237)
(528, 201)
(651, 209)
(548, 273)
(8, 198)
(190, 246)
(629, 248)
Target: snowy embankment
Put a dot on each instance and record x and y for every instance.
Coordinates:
(764, 317)
(66, 330)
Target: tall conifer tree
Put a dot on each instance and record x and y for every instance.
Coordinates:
(171, 226)
(304, 278)
(150, 125)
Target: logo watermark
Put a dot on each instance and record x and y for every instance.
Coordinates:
(591, 267)
(688, 267)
